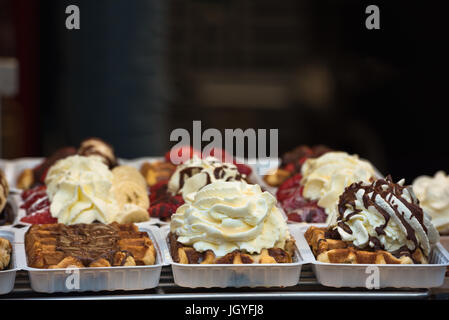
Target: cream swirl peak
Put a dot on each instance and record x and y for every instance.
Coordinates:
(79, 189)
(227, 216)
(325, 178)
(196, 173)
(384, 215)
(433, 196)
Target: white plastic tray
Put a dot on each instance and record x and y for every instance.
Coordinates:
(13, 168)
(7, 277)
(227, 275)
(364, 275)
(95, 279)
(444, 240)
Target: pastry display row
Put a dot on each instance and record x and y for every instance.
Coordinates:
(85, 208)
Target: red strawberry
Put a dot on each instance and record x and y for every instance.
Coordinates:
(32, 198)
(302, 160)
(244, 169)
(40, 217)
(310, 213)
(44, 175)
(26, 193)
(181, 154)
(165, 209)
(42, 203)
(290, 167)
(289, 187)
(220, 154)
(158, 190)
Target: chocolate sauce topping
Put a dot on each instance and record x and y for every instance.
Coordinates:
(386, 189)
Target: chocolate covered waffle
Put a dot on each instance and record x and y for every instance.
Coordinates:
(53, 246)
(378, 223)
(187, 255)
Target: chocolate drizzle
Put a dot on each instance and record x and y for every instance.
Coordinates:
(388, 191)
(187, 173)
(219, 173)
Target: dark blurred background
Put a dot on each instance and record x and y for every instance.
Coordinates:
(138, 69)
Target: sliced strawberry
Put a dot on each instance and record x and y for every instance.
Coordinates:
(44, 175)
(26, 193)
(183, 154)
(42, 203)
(290, 167)
(289, 187)
(302, 160)
(165, 209)
(158, 190)
(40, 217)
(244, 169)
(310, 213)
(220, 154)
(32, 199)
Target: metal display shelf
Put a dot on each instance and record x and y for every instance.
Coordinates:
(307, 288)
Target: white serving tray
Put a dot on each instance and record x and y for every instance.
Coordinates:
(94, 279)
(228, 275)
(13, 168)
(8, 277)
(361, 275)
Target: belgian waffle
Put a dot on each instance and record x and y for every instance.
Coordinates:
(328, 248)
(52, 246)
(157, 171)
(188, 255)
(5, 253)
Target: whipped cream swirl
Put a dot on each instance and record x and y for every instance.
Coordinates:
(79, 189)
(196, 173)
(325, 178)
(228, 216)
(433, 196)
(384, 215)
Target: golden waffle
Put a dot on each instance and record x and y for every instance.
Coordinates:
(88, 245)
(5, 253)
(157, 171)
(331, 250)
(276, 177)
(25, 179)
(188, 255)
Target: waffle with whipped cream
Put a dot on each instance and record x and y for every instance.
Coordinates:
(378, 223)
(188, 255)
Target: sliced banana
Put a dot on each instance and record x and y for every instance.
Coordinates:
(132, 213)
(127, 173)
(4, 190)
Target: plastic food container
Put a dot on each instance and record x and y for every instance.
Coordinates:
(95, 279)
(444, 240)
(379, 275)
(226, 275)
(8, 276)
(13, 169)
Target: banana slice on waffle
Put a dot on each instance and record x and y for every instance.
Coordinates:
(129, 192)
(129, 188)
(4, 190)
(127, 173)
